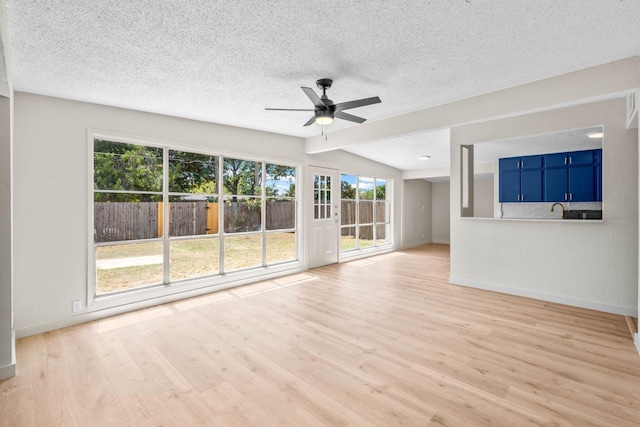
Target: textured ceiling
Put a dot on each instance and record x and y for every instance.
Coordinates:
(223, 61)
(403, 152)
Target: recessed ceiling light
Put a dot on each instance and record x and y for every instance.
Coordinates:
(596, 135)
(425, 157)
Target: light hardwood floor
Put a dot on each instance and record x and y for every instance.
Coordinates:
(384, 341)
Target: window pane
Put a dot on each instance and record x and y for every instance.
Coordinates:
(189, 216)
(365, 188)
(281, 180)
(242, 177)
(365, 215)
(281, 247)
(347, 238)
(381, 189)
(242, 252)
(242, 215)
(128, 167)
(192, 172)
(127, 218)
(348, 187)
(382, 213)
(382, 233)
(128, 266)
(194, 258)
(281, 214)
(365, 237)
(348, 212)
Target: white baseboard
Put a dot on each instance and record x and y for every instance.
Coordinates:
(560, 299)
(442, 242)
(636, 340)
(7, 371)
(416, 244)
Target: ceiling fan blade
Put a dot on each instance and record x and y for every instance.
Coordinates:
(313, 97)
(290, 109)
(346, 116)
(357, 103)
(310, 122)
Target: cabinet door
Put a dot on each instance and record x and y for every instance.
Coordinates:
(531, 185)
(580, 158)
(531, 162)
(582, 184)
(509, 186)
(597, 156)
(556, 185)
(509, 164)
(555, 160)
(598, 183)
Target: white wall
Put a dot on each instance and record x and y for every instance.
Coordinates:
(592, 264)
(416, 213)
(441, 212)
(51, 167)
(7, 362)
(483, 196)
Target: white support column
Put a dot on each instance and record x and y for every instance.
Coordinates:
(7, 338)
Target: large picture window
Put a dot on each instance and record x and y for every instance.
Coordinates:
(365, 213)
(162, 216)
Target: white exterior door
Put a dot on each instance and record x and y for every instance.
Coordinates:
(323, 216)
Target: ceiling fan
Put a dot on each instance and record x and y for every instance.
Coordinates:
(325, 110)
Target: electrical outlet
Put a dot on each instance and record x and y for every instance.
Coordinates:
(76, 306)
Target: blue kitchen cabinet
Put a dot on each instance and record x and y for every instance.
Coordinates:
(558, 177)
(521, 179)
(556, 183)
(573, 177)
(531, 185)
(597, 158)
(510, 186)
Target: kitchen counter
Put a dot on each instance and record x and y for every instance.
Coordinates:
(594, 221)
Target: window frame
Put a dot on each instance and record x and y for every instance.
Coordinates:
(222, 278)
(388, 221)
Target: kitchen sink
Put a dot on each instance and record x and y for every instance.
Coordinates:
(582, 214)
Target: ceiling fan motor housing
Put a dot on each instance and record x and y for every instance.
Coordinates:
(324, 84)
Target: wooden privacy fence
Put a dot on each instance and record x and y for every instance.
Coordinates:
(365, 216)
(115, 221)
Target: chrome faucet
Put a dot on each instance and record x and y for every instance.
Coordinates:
(561, 205)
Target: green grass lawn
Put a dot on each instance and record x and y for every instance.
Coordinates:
(189, 259)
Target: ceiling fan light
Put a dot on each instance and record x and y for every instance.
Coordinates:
(324, 118)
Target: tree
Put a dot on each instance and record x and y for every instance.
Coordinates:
(348, 191)
(192, 172)
(127, 167)
(241, 177)
(278, 176)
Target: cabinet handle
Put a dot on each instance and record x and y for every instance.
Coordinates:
(522, 164)
(522, 198)
(565, 196)
(565, 162)
(569, 159)
(570, 196)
